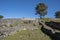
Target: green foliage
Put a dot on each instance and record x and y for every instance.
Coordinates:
(1, 16)
(11, 25)
(41, 9)
(46, 20)
(16, 23)
(57, 14)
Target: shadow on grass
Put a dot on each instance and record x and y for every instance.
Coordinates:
(53, 36)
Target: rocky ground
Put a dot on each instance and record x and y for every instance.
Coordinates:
(11, 26)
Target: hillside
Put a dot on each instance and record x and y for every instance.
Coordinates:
(28, 28)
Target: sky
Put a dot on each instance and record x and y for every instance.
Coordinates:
(26, 8)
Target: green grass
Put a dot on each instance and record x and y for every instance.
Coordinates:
(46, 19)
(28, 35)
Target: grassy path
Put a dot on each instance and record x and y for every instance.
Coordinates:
(28, 35)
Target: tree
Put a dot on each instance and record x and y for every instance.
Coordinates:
(1, 16)
(41, 9)
(1, 20)
(57, 14)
